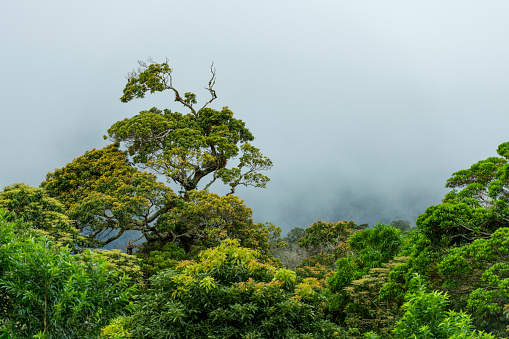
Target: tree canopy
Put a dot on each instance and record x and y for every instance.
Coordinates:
(187, 148)
(230, 292)
(43, 214)
(476, 207)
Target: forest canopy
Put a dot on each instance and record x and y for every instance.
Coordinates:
(202, 268)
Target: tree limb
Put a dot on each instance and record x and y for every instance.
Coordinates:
(212, 82)
(177, 95)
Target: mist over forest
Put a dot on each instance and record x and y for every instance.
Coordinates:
(365, 110)
(297, 169)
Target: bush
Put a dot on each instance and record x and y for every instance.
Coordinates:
(54, 294)
(230, 292)
(426, 316)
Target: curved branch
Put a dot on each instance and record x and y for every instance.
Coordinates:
(115, 237)
(178, 97)
(212, 82)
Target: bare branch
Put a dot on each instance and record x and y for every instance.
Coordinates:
(211, 182)
(115, 237)
(212, 82)
(232, 188)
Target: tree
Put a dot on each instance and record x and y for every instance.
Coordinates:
(361, 274)
(403, 225)
(186, 148)
(103, 192)
(294, 235)
(476, 276)
(372, 247)
(459, 246)
(230, 292)
(291, 254)
(368, 309)
(426, 316)
(322, 237)
(475, 208)
(106, 194)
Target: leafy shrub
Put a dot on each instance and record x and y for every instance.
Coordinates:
(230, 292)
(426, 316)
(54, 294)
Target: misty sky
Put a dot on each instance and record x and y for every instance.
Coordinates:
(365, 107)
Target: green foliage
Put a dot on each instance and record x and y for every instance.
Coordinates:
(355, 286)
(294, 235)
(230, 293)
(320, 246)
(477, 206)
(153, 78)
(372, 247)
(41, 213)
(367, 308)
(207, 218)
(456, 222)
(477, 276)
(443, 249)
(103, 192)
(123, 263)
(322, 237)
(8, 231)
(188, 147)
(155, 260)
(324, 243)
(53, 293)
(426, 316)
(106, 195)
(116, 329)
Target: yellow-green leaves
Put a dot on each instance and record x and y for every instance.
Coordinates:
(207, 218)
(102, 191)
(207, 284)
(116, 329)
(45, 215)
(229, 292)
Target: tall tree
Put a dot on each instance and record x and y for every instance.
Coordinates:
(103, 193)
(187, 148)
(476, 207)
(107, 194)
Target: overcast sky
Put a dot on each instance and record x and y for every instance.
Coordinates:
(365, 107)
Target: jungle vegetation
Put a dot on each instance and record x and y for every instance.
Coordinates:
(203, 268)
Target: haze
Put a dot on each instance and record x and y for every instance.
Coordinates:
(365, 107)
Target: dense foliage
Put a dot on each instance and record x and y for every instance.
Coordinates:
(51, 293)
(45, 215)
(230, 292)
